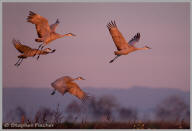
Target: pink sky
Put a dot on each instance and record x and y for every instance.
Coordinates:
(163, 26)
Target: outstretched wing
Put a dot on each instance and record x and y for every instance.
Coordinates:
(21, 48)
(40, 22)
(60, 85)
(117, 37)
(76, 91)
(135, 39)
(53, 26)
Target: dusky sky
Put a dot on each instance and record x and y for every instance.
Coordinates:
(163, 26)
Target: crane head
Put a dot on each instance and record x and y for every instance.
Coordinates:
(48, 50)
(147, 47)
(80, 78)
(71, 34)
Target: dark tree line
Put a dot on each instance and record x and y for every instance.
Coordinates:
(173, 108)
(105, 108)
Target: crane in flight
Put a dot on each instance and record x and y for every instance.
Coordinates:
(66, 84)
(27, 51)
(123, 47)
(46, 33)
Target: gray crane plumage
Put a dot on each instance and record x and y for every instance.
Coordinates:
(27, 51)
(46, 33)
(122, 45)
(66, 84)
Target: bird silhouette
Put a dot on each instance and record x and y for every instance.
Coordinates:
(66, 84)
(46, 33)
(123, 47)
(28, 51)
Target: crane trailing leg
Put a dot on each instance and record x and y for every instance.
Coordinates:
(114, 58)
(19, 62)
(40, 50)
(54, 91)
(21, 57)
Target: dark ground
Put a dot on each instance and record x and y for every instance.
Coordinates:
(99, 125)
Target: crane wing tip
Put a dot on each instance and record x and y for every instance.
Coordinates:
(111, 24)
(31, 12)
(15, 41)
(85, 98)
(138, 34)
(57, 21)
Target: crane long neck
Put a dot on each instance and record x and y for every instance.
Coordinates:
(64, 35)
(38, 51)
(74, 79)
(143, 48)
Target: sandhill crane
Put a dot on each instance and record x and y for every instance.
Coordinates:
(66, 84)
(45, 32)
(123, 47)
(27, 51)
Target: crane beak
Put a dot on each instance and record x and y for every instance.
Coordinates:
(148, 47)
(71, 34)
